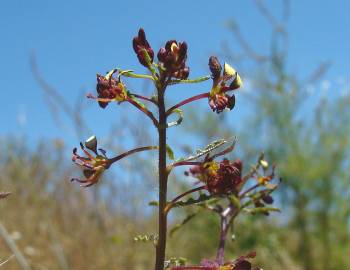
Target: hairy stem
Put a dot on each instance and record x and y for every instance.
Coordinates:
(163, 179)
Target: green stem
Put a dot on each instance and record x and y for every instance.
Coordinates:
(197, 80)
(138, 76)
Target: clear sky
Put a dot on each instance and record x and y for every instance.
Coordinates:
(73, 40)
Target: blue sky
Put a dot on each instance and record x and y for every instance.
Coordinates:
(73, 40)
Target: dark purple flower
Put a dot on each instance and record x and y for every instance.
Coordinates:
(109, 89)
(141, 46)
(223, 82)
(220, 177)
(172, 59)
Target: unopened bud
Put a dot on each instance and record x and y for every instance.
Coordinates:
(215, 67)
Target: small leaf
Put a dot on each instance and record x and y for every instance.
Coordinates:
(191, 201)
(153, 203)
(147, 238)
(215, 145)
(179, 225)
(173, 262)
(261, 210)
(170, 152)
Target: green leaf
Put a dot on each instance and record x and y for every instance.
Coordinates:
(153, 203)
(145, 238)
(179, 225)
(201, 198)
(170, 152)
(173, 262)
(197, 80)
(261, 210)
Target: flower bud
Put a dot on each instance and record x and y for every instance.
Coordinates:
(141, 46)
(215, 67)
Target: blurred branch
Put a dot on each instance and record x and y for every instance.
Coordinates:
(13, 247)
(319, 72)
(56, 100)
(4, 194)
(9, 258)
(244, 44)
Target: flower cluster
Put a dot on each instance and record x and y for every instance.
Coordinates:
(109, 89)
(93, 164)
(172, 59)
(222, 83)
(220, 177)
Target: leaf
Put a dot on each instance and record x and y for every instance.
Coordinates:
(179, 225)
(173, 262)
(261, 210)
(153, 203)
(202, 197)
(147, 238)
(170, 152)
(209, 148)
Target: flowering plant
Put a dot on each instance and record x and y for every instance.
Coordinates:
(222, 187)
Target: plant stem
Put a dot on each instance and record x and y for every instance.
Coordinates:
(223, 233)
(188, 100)
(130, 152)
(173, 201)
(163, 179)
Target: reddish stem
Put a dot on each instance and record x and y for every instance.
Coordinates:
(144, 98)
(144, 110)
(139, 149)
(188, 100)
(173, 201)
(248, 190)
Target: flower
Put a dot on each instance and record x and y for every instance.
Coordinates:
(172, 59)
(141, 46)
(220, 177)
(93, 165)
(109, 89)
(222, 83)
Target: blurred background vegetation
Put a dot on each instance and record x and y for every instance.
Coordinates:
(48, 223)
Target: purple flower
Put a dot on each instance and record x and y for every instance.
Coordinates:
(141, 46)
(172, 60)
